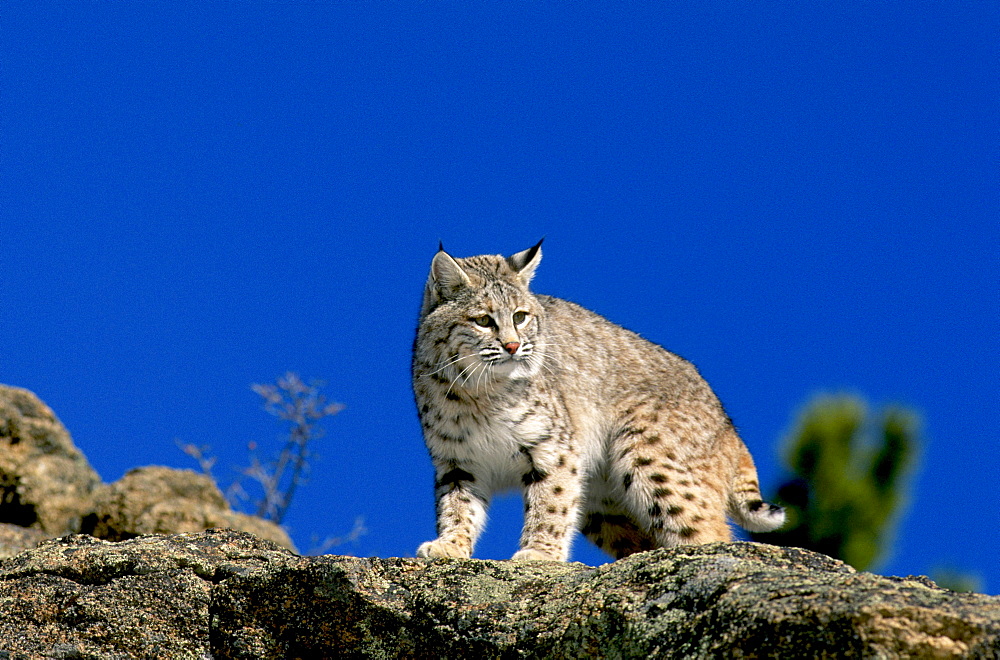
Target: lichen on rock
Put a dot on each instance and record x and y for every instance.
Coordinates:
(228, 594)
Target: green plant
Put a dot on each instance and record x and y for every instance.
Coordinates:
(848, 479)
(955, 579)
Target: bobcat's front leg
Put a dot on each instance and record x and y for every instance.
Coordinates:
(552, 492)
(461, 513)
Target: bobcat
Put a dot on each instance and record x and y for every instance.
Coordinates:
(601, 429)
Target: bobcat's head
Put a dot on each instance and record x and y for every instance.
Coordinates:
(482, 318)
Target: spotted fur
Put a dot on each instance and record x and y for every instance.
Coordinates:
(601, 430)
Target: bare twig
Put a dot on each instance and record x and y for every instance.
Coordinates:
(200, 453)
(302, 407)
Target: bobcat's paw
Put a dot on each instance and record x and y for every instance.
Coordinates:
(530, 554)
(439, 548)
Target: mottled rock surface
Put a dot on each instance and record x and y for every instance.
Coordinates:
(226, 594)
(14, 539)
(45, 482)
(161, 500)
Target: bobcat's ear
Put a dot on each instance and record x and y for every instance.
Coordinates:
(524, 263)
(446, 278)
(446, 274)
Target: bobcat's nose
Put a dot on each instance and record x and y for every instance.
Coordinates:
(511, 347)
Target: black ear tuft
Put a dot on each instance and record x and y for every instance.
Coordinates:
(518, 261)
(440, 246)
(533, 250)
(524, 263)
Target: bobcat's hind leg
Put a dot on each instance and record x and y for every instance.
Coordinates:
(616, 533)
(678, 499)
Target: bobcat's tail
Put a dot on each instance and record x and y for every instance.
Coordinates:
(746, 506)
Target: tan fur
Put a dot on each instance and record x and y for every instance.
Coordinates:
(602, 430)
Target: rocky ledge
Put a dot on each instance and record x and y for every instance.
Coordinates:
(48, 489)
(228, 594)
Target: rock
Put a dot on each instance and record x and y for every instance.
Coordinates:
(226, 594)
(159, 500)
(45, 482)
(14, 539)
(48, 489)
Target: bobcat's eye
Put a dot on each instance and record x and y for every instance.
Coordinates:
(519, 317)
(483, 321)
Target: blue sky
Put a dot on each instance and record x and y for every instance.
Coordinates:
(798, 198)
